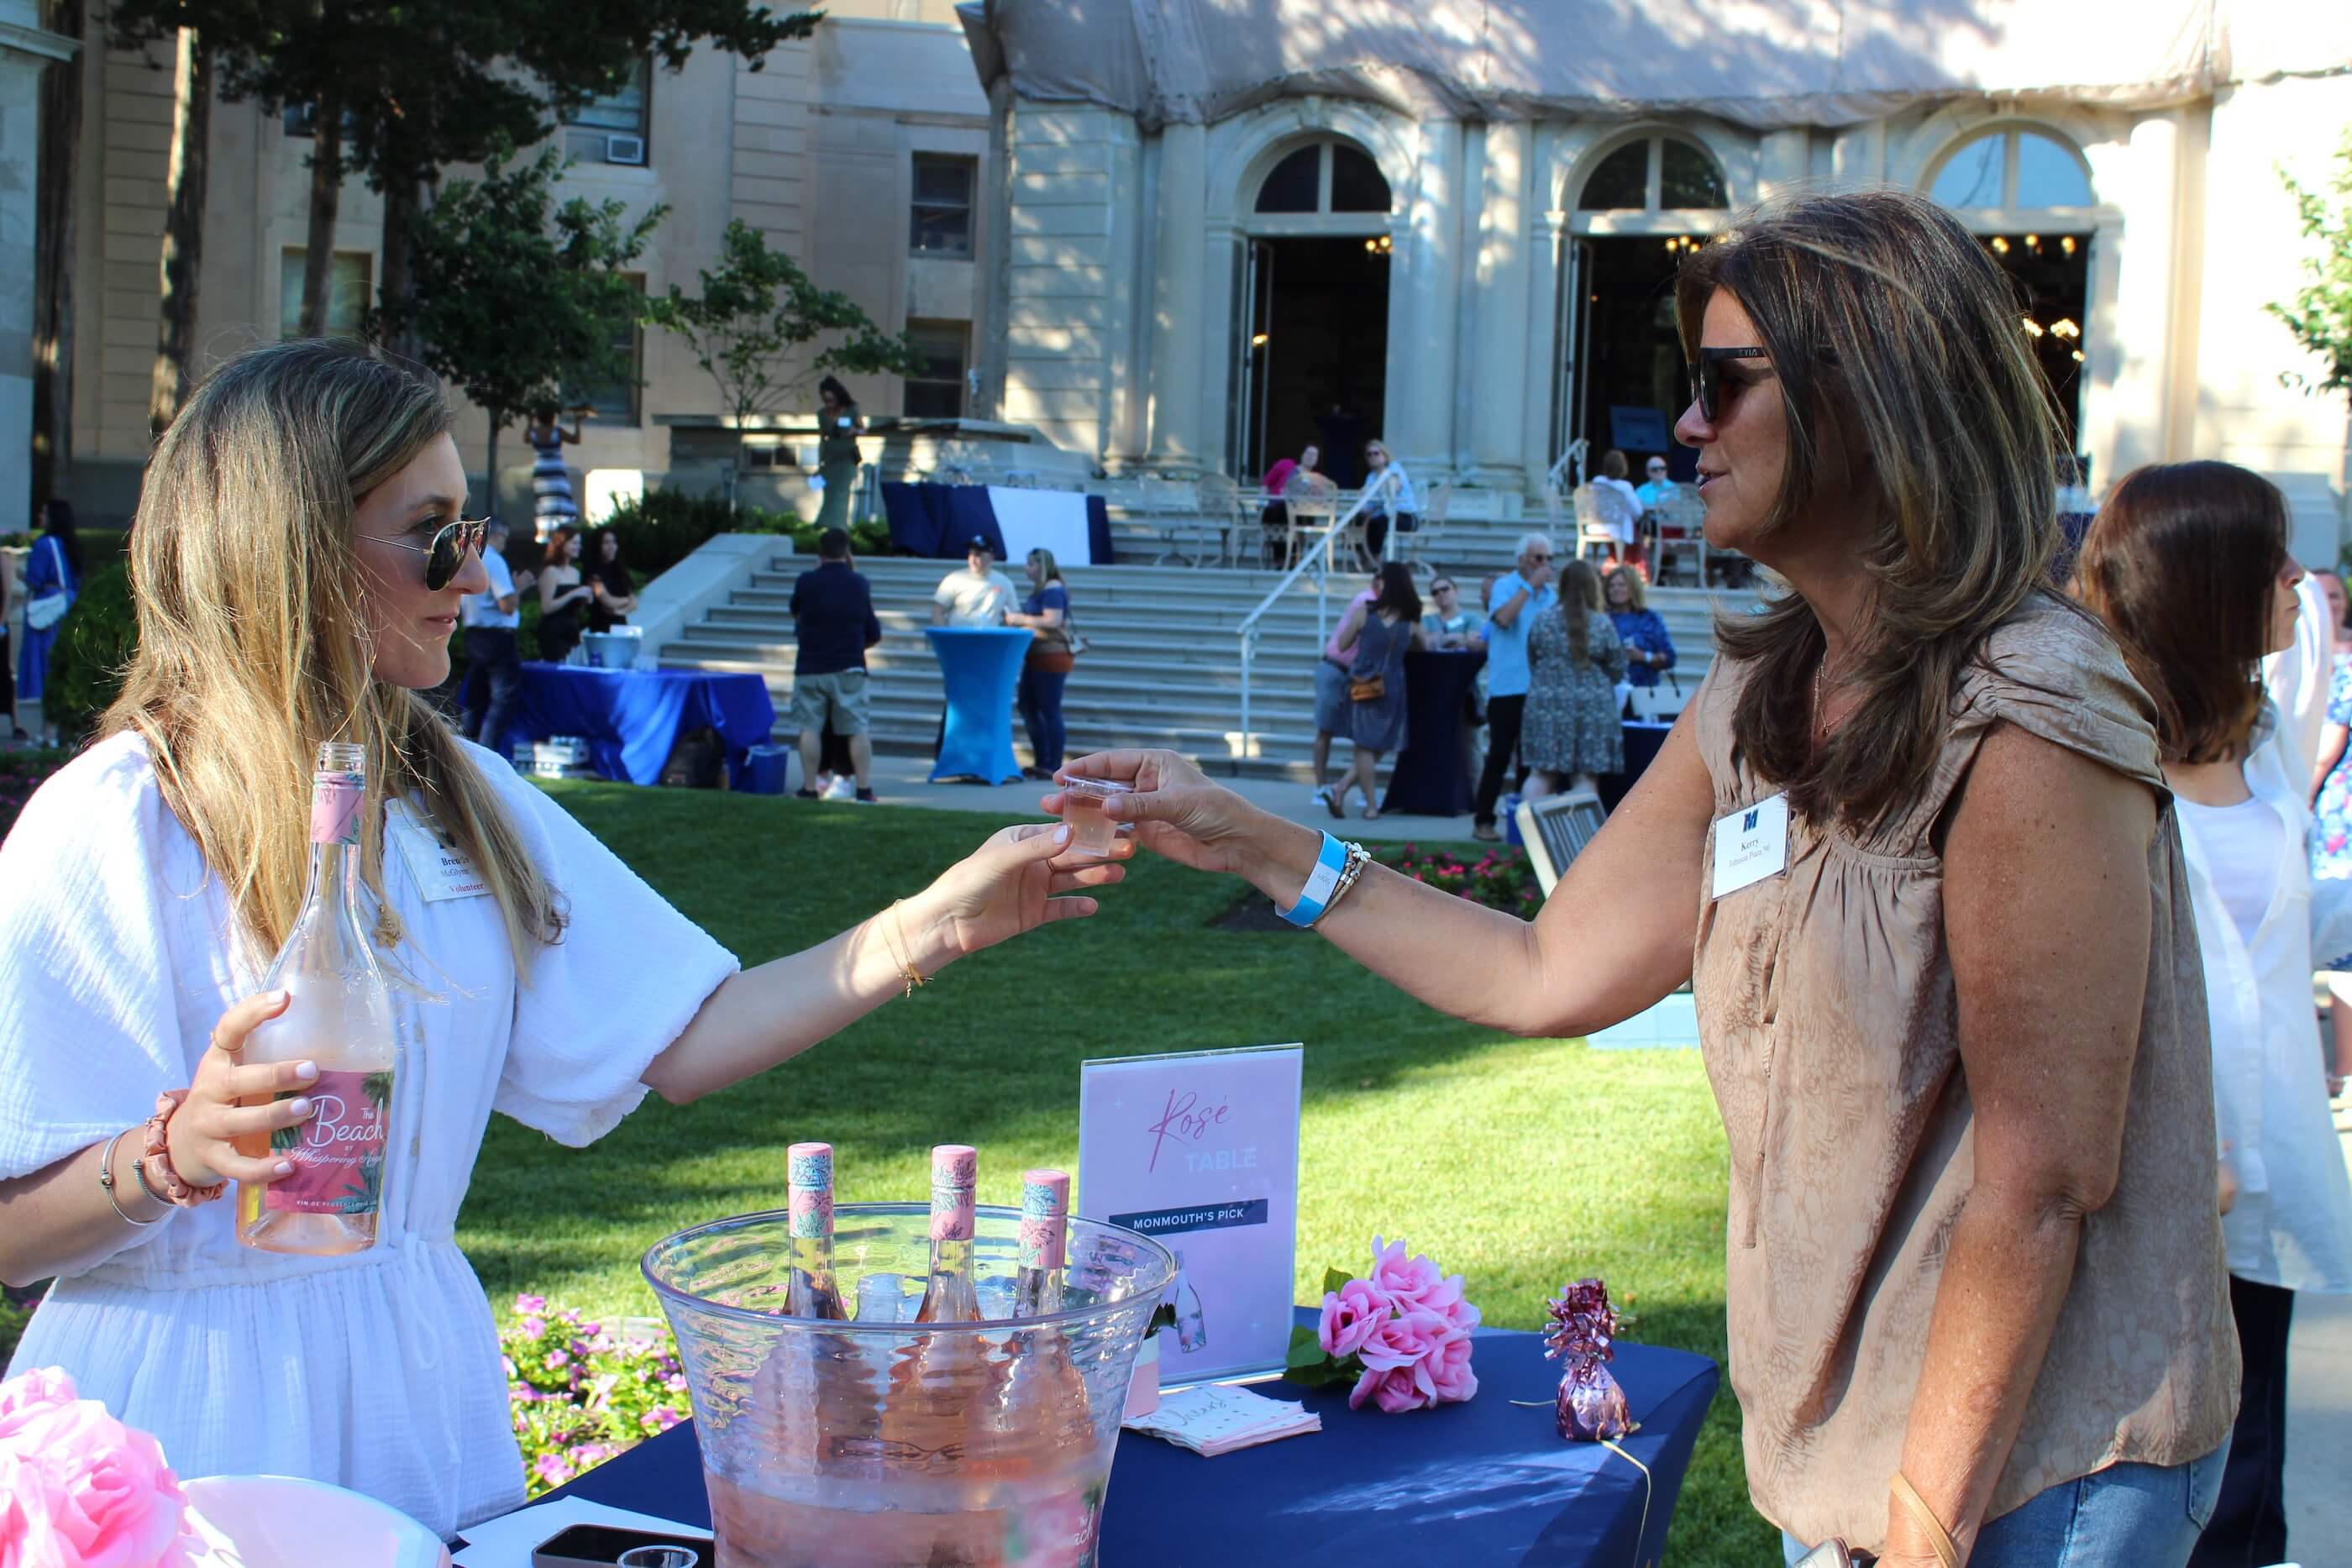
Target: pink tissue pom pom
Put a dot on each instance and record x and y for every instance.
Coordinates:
(78, 1487)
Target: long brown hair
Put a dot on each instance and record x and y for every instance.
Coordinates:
(253, 642)
(1579, 596)
(1886, 322)
(2181, 563)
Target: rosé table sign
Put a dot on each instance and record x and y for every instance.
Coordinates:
(1199, 1150)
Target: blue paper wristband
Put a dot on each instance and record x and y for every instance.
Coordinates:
(1317, 893)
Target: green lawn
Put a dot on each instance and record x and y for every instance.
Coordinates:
(1520, 1164)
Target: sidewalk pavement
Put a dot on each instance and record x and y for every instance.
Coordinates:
(902, 782)
(2319, 1420)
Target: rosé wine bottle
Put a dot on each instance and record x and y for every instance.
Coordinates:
(1045, 1243)
(952, 1297)
(812, 1293)
(341, 1017)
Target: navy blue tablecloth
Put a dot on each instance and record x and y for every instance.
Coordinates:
(1432, 776)
(979, 665)
(1488, 1482)
(940, 520)
(632, 719)
(1642, 742)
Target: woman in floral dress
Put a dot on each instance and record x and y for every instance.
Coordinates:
(1575, 660)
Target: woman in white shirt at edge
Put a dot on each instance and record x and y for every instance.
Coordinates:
(2188, 564)
(280, 561)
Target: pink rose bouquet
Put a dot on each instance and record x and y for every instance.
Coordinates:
(78, 1487)
(1401, 1335)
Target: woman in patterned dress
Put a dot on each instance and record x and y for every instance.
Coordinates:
(1575, 660)
(551, 482)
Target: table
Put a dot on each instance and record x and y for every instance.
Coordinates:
(981, 666)
(1643, 738)
(1368, 1488)
(632, 719)
(1432, 776)
(940, 520)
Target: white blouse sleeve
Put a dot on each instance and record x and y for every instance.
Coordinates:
(627, 976)
(91, 1025)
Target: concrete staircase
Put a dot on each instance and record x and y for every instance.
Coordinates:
(1163, 668)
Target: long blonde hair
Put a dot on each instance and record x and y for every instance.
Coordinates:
(1887, 319)
(253, 636)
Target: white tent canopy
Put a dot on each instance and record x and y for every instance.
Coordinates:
(1760, 63)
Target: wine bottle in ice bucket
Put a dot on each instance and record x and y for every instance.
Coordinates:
(341, 1017)
(1045, 1243)
(952, 1297)
(811, 1292)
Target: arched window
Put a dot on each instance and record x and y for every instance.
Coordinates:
(1656, 173)
(1325, 177)
(2011, 169)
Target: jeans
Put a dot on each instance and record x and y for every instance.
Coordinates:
(491, 649)
(2248, 1527)
(1503, 717)
(2125, 1516)
(1040, 700)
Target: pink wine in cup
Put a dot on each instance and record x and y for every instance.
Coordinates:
(1093, 830)
(812, 1293)
(340, 1017)
(952, 1296)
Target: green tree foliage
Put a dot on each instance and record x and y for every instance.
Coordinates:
(514, 295)
(2320, 316)
(95, 642)
(756, 317)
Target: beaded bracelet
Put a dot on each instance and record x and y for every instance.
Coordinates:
(175, 1191)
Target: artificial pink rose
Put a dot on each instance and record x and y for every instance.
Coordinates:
(1392, 1388)
(1351, 1315)
(80, 1489)
(1404, 1345)
(1449, 1371)
(1405, 1281)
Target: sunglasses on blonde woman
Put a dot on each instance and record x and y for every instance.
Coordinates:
(1706, 377)
(446, 555)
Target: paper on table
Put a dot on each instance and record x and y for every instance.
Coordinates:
(1214, 1418)
(509, 1541)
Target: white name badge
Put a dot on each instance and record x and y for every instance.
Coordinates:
(1751, 844)
(440, 872)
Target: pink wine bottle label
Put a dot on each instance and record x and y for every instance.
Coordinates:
(955, 1171)
(337, 1154)
(335, 799)
(1044, 1219)
(810, 1184)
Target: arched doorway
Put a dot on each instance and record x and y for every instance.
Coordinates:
(1311, 310)
(1637, 211)
(2027, 195)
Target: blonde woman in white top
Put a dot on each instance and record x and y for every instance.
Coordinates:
(299, 563)
(2188, 564)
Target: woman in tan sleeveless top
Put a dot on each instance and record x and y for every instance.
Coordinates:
(1913, 849)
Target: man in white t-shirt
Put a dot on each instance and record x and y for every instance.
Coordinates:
(490, 619)
(977, 596)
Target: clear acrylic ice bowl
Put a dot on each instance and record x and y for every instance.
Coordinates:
(880, 1442)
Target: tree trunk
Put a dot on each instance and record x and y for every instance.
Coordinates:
(184, 228)
(326, 203)
(401, 208)
(53, 263)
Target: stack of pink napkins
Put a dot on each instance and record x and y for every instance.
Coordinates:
(1214, 1419)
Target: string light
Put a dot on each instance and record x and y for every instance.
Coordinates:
(2078, 356)
(1379, 246)
(2065, 329)
(1257, 340)
(2033, 242)
(2067, 243)
(2000, 246)
(2032, 327)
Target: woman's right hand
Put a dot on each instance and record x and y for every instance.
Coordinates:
(201, 1131)
(1180, 813)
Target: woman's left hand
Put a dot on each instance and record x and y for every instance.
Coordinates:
(1013, 883)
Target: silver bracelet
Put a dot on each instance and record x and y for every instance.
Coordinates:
(105, 1180)
(1358, 858)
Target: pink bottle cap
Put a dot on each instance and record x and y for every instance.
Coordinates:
(809, 1187)
(1044, 1219)
(955, 1172)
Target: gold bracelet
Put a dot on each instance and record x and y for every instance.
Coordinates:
(901, 951)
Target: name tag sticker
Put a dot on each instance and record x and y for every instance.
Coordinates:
(440, 872)
(1751, 844)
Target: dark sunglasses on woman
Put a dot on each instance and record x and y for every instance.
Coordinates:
(447, 554)
(1706, 379)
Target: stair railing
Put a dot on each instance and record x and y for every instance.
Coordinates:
(1317, 560)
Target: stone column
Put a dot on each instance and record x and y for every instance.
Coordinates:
(25, 49)
(1180, 339)
(1785, 160)
(1424, 291)
(2146, 352)
(1501, 392)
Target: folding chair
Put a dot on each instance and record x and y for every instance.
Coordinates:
(1555, 830)
(1682, 521)
(1431, 523)
(1312, 502)
(1594, 527)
